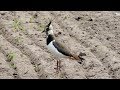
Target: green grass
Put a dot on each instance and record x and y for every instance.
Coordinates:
(10, 56)
(65, 18)
(31, 19)
(0, 47)
(41, 27)
(17, 25)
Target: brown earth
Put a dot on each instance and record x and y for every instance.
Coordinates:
(23, 49)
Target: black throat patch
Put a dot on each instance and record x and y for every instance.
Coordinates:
(50, 38)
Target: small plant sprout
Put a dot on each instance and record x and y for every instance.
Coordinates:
(17, 25)
(32, 19)
(10, 56)
(65, 18)
(0, 47)
(41, 27)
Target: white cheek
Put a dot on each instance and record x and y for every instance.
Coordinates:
(50, 32)
(51, 27)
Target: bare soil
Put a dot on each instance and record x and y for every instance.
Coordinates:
(23, 52)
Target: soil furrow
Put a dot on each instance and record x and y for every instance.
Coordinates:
(44, 67)
(16, 59)
(108, 35)
(82, 40)
(24, 53)
(68, 73)
(77, 48)
(37, 37)
(5, 71)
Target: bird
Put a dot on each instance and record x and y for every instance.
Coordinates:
(58, 49)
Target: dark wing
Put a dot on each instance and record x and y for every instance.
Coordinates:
(62, 49)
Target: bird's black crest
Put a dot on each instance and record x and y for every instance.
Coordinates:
(49, 24)
(47, 28)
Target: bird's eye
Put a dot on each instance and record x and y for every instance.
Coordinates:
(47, 29)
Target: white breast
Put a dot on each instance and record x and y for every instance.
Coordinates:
(54, 51)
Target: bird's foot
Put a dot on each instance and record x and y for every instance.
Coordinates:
(81, 60)
(80, 57)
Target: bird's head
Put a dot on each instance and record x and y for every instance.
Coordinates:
(49, 29)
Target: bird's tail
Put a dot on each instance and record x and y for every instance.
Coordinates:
(79, 57)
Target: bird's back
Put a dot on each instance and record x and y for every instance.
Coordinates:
(62, 48)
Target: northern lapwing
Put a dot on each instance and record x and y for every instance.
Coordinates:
(58, 49)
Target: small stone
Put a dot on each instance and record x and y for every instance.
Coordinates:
(78, 18)
(59, 33)
(91, 37)
(90, 19)
(108, 38)
(14, 74)
(35, 15)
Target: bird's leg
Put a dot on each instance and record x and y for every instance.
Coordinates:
(58, 66)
